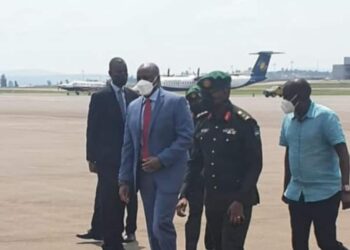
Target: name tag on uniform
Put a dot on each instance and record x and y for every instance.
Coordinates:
(229, 131)
(204, 130)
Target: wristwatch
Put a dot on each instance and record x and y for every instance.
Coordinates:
(346, 188)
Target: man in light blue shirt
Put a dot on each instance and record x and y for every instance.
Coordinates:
(316, 167)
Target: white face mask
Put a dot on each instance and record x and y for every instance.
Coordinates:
(287, 106)
(143, 87)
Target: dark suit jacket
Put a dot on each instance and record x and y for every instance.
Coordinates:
(105, 128)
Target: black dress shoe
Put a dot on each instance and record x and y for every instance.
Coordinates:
(129, 238)
(90, 235)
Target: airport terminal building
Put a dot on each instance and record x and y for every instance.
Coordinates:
(342, 71)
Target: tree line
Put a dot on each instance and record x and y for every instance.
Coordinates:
(10, 84)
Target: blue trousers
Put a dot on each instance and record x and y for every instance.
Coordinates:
(159, 212)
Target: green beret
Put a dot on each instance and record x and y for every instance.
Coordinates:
(215, 79)
(193, 92)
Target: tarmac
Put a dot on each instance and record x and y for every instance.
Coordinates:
(47, 192)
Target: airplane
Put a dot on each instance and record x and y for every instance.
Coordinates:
(273, 91)
(82, 86)
(258, 74)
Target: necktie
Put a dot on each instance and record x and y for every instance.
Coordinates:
(145, 130)
(121, 102)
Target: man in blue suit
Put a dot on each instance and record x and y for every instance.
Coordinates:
(158, 134)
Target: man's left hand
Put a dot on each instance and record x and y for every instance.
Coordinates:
(345, 198)
(151, 164)
(235, 213)
(181, 207)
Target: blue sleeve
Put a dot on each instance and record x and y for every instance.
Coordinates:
(184, 133)
(283, 138)
(332, 129)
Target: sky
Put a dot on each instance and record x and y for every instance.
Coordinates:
(71, 36)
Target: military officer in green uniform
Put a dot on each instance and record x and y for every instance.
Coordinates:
(227, 150)
(194, 97)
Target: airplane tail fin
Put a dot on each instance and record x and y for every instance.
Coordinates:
(261, 64)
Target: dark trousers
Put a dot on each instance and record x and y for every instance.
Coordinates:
(131, 218)
(193, 224)
(323, 214)
(111, 207)
(96, 222)
(227, 236)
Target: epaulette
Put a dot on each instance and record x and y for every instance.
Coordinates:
(202, 115)
(244, 115)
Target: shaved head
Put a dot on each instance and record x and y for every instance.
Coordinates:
(118, 71)
(151, 66)
(117, 62)
(298, 92)
(148, 71)
(297, 87)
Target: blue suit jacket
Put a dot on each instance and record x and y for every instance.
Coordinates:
(170, 138)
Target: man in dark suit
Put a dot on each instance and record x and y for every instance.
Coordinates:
(158, 135)
(95, 232)
(105, 132)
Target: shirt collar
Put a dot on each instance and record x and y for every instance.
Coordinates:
(153, 97)
(310, 113)
(115, 88)
(227, 116)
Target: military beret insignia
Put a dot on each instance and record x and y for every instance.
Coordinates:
(206, 83)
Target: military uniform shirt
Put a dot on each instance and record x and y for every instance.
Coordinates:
(229, 152)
